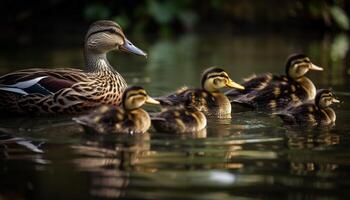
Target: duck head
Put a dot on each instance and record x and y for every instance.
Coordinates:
(215, 78)
(104, 36)
(325, 98)
(298, 65)
(134, 97)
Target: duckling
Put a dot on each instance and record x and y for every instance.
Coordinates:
(179, 120)
(312, 113)
(69, 90)
(128, 118)
(207, 99)
(272, 92)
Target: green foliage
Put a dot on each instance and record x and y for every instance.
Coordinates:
(340, 17)
(167, 15)
(122, 20)
(167, 12)
(97, 11)
(339, 47)
(188, 18)
(163, 12)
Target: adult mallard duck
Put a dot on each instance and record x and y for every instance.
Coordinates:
(207, 99)
(179, 120)
(313, 113)
(128, 118)
(68, 90)
(273, 92)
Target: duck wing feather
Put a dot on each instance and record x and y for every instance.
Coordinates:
(41, 81)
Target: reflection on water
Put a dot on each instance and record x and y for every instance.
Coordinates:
(108, 162)
(312, 139)
(250, 156)
(309, 162)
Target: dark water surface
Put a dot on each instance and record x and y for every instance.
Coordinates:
(251, 156)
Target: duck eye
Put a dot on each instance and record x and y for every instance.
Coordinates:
(301, 68)
(112, 31)
(217, 81)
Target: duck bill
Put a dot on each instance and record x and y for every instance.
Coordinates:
(130, 48)
(233, 84)
(335, 100)
(150, 100)
(316, 68)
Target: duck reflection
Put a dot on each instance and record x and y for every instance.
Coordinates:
(311, 142)
(18, 148)
(221, 127)
(313, 138)
(201, 134)
(109, 159)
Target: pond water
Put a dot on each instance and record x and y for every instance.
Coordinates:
(251, 156)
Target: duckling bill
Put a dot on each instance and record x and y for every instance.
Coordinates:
(128, 118)
(315, 113)
(272, 92)
(208, 98)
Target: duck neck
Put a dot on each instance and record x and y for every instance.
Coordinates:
(97, 62)
(209, 88)
(330, 114)
(308, 86)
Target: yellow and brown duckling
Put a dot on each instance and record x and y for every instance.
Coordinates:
(128, 118)
(179, 120)
(314, 113)
(207, 99)
(68, 90)
(273, 92)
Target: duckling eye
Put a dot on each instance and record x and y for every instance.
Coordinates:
(327, 98)
(301, 68)
(217, 81)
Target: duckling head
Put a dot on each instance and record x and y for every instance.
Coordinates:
(134, 97)
(104, 36)
(215, 78)
(325, 98)
(298, 65)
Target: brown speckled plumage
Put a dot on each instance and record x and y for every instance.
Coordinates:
(313, 113)
(179, 120)
(69, 90)
(272, 92)
(207, 99)
(127, 118)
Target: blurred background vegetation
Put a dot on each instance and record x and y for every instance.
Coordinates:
(27, 18)
(34, 32)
